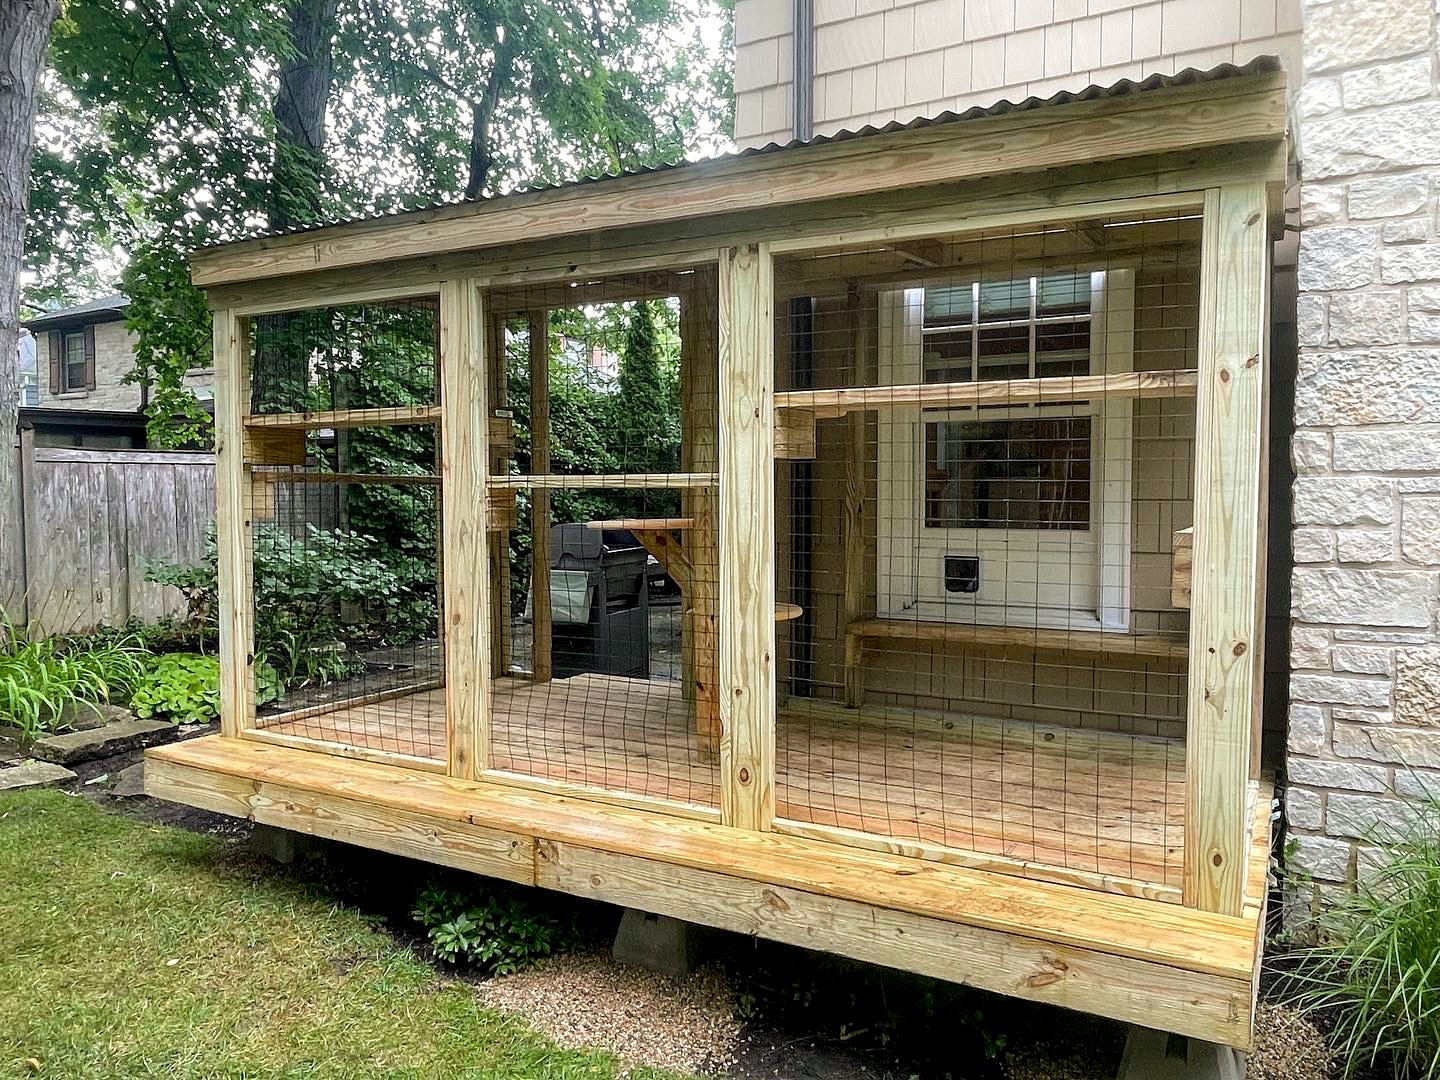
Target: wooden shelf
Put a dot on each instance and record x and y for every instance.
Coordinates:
(824, 404)
(1040, 638)
(647, 525)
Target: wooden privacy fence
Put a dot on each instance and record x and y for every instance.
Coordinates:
(94, 518)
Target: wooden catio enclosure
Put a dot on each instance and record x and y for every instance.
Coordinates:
(858, 544)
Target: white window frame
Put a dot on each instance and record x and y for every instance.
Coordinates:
(65, 382)
(1094, 562)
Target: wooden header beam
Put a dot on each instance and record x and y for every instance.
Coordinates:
(1182, 118)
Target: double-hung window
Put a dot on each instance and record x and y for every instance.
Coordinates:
(76, 371)
(1013, 514)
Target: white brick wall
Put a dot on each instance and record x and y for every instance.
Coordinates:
(1364, 734)
(883, 60)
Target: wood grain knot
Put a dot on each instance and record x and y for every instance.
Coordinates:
(1239, 649)
(774, 900)
(1252, 219)
(744, 775)
(1253, 361)
(1224, 374)
(1217, 860)
(1053, 970)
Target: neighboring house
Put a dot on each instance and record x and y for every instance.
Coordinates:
(76, 391)
(1357, 397)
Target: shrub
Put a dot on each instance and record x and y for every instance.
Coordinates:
(494, 931)
(1376, 971)
(183, 687)
(41, 677)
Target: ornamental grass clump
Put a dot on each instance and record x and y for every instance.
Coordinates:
(41, 677)
(1375, 974)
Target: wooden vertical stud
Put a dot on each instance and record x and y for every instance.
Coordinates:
(464, 435)
(1226, 615)
(747, 537)
(540, 497)
(234, 569)
(699, 453)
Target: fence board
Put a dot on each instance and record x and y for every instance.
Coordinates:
(95, 518)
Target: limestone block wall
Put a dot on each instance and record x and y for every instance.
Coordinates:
(1364, 723)
(114, 357)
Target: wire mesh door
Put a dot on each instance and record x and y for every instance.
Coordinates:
(344, 513)
(603, 570)
(989, 460)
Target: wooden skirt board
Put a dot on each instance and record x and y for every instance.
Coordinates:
(1090, 801)
(1125, 957)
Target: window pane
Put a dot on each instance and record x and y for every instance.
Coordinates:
(1062, 349)
(996, 474)
(948, 356)
(1063, 294)
(1004, 352)
(949, 305)
(75, 361)
(1001, 300)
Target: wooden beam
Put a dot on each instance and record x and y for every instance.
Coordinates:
(826, 404)
(541, 664)
(633, 481)
(393, 416)
(1125, 957)
(465, 510)
(1182, 554)
(234, 568)
(747, 538)
(858, 308)
(1114, 187)
(1226, 624)
(265, 476)
(1214, 113)
(699, 451)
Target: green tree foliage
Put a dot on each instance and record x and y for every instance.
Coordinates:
(172, 124)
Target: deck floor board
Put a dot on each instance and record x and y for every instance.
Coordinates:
(1080, 800)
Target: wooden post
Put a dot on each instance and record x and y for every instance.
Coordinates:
(540, 658)
(496, 542)
(29, 562)
(1226, 623)
(464, 436)
(699, 627)
(234, 563)
(747, 537)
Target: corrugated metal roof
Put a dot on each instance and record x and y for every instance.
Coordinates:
(1124, 87)
(110, 305)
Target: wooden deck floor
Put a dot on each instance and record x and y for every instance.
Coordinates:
(1086, 801)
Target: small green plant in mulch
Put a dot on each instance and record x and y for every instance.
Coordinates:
(1374, 977)
(488, 927)
(41, 677)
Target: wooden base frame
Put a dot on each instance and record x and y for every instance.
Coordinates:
(1124, 957)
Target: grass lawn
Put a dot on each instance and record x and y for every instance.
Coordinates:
(129, 950)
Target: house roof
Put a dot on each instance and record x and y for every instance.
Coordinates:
(106, 309)
(644, 195)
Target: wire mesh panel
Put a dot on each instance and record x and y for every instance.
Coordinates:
(351, 356)
(988, 457)
(603, 579)
(344, 509)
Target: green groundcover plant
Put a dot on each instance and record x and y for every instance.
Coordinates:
(495, 930)
(1375, 974)
(42, 677)
(183, 687)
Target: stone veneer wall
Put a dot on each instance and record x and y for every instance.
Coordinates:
(1364, 723)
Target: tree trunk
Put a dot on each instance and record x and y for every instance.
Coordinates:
(300, 104)
(481, 114)
(24, 35)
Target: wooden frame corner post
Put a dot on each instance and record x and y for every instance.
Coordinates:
(1226, 614)
(465, 511)
(234, 569)
(747, 537)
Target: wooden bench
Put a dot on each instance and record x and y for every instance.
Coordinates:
(1150, 646)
